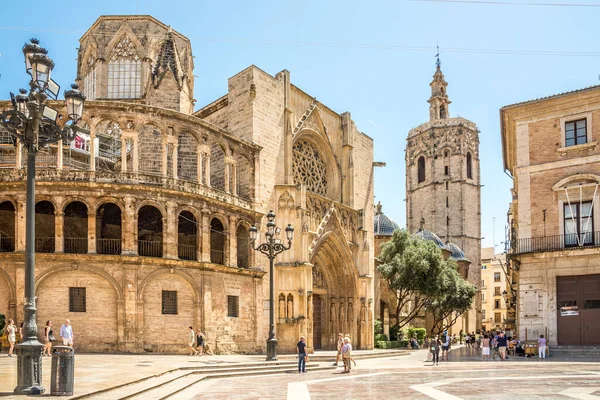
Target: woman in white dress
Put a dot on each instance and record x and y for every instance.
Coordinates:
(192, 342)
(11, 331)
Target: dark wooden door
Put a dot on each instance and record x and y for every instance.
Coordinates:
(578, 310)
(317, 319)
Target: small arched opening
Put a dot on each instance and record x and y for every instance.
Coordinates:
(187, 230)
(108, 229)
(150, 232)
(421, 169)
(217, 242)
(75, 228)
(243, 247)
(469, 166)
(217, 166)
(44, 227)
(7, 227)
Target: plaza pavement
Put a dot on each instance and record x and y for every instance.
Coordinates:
(409, 377)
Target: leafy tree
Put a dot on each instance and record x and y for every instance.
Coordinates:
(454, 300)
(411, 267)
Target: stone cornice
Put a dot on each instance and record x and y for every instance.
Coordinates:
(442, 123)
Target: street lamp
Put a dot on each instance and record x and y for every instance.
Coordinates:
(35, 124)
(271, 248)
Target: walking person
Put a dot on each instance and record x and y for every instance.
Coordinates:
(11, 331)
(340, 343)
(48, 339)
(301, 350)
(542, 347)
(200, 339)
(502, 343)
(434, 348)
(66, 333)
(445, 346)
(347, 355)
(192, 342)
(485, 348)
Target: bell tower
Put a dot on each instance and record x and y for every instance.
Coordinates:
(438, 102)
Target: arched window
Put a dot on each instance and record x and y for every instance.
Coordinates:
(243, 247)
(150, 232)
(187, 236)
(309, 167)
(7, 227)
(150, 150)
(89, 80)
(244, 177)
(187, 157)
(442, 112)
(75, 228)
(217, 242)
(44, 227)
(108, 156)
(124, 71)
(421, 168)
(469, 166)
(217, 166)
(108, 229)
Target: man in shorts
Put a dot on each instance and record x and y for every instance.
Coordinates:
(445, 346)
(502, 343)
(66, 333)
(340, 344)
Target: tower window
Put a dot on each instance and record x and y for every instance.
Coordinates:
(421, 168)
(469, 166)
(446, 185)
(447, 202)
(446, 170)
(124, 71)
(442, 112)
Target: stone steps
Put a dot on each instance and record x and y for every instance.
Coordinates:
(174, 381)
(357, 356)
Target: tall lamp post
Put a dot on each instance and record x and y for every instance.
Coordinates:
(271, 248)
(36, 125)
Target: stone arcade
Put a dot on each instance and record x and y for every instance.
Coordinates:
(142, 226)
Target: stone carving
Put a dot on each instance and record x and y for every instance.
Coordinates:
(317, 277)
(286, 201)
(124, 50)
(290, 306)
(309, 167)
(282, 306)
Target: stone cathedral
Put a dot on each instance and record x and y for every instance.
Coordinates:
(443, 197)
(142, 226)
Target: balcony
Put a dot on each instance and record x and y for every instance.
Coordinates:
(187, 252)
(76, 245)
(556, 243)
(108, 246)
(7, 244)
(150, 248)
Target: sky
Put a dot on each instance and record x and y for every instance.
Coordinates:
(374, 59)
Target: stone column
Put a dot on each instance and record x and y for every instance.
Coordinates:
(205, 236)
(165, 157)
(207, 168)
(170, 231)
(232, 241)
(174, 172)
(59, 155)
(91, 232)
(234, 179)
(227, 167)
(19, 155)
(92, 151)
(128, 228)
(58, 231)
(123, 154)
(20, 223)
(199, 164)
(135, 151)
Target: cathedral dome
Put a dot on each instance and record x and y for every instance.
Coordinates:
(457, 253)
(427, 235)
(382, 224)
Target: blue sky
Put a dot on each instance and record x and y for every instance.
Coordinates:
(356, 56)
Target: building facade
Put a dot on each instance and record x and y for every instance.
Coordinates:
(550, 149)
(142, 225)
(493, 289)
(443, 184)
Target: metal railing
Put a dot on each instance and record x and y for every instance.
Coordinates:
(44, 245)
(556, 243)
(108, 246)
(217, 256)
(150, 248)
(7, 244)
(76, 245)
(187, 252)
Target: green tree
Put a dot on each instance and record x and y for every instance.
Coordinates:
(411, 267)
(455, 298)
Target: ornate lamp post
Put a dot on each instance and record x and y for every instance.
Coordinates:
(271, 248)
(36, 125)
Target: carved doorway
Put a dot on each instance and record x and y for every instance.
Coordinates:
(317, 321)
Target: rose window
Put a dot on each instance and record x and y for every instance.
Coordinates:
(309, 167)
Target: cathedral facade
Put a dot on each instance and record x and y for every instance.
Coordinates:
(443, 195)
(142, 226)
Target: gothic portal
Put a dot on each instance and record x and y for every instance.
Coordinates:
(443, 183)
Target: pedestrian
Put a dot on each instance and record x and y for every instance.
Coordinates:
(340, 343)
(502, 342)
(11, 330)
(434, 347)
(21, 332)
(414, 343)
(485, 348)
(347, 355)
(66, 333)
(48, 339)
(542, 347)
(192, 342)
(301, 351)
(445, 346)
(200, 339)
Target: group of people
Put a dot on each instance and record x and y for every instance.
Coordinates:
(439, 344)
(66, 334)
(498, 344)
(344, 351)
(196, 342)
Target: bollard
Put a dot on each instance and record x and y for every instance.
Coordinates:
(63, 371)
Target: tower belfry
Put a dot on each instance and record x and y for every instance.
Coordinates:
(438, 102)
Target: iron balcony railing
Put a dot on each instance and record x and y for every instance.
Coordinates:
(216, 256)
(44, 245)
(187, 252)
(556, 243)
(76, 245)
(7, 244)
(108, 246)
(150, 248)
